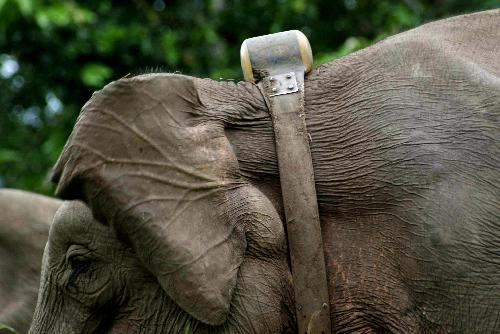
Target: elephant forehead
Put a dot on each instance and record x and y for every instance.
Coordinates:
(74, 224)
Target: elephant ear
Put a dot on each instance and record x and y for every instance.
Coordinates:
(148, 162)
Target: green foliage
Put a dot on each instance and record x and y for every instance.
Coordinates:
(7, 328)
(95, 75)
(54, 54)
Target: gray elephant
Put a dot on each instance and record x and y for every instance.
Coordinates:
(24, 228)
(182, 174)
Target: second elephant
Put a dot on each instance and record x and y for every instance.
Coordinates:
(24, 228)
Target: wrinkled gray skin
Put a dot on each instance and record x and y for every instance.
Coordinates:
(24, 228)
(182, 173)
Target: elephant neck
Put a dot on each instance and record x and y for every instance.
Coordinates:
(234, 103)
(241, 110)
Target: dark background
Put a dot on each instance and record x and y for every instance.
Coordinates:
(54, 54)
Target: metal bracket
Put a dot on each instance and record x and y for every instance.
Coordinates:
(285, 83)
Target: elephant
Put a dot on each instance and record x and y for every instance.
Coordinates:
(181, 181)
(24, 230)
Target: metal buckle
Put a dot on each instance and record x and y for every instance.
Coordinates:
(285, 83)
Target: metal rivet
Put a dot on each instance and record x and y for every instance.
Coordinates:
(271, 78)
(299, 307)
(325, 306)
(290, 87)
(274, 89)
(288, 76)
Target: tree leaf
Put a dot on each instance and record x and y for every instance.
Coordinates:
(9, 156)
(95, 75)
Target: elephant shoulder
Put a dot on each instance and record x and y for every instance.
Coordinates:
(25, 220)
(24, 225)
(22, 208)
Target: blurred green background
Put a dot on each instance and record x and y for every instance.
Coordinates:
(54, 54)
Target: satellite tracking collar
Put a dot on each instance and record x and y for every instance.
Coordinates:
(278, 63)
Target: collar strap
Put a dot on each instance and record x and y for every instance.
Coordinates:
(278, 63)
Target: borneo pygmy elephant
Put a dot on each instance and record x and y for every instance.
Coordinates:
(182, 173)
(24, 227)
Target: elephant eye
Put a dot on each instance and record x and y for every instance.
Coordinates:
(78, 261)
(79, 265)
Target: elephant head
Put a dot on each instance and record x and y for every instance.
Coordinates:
(169, 184)
(405, 155)
(93, 283)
